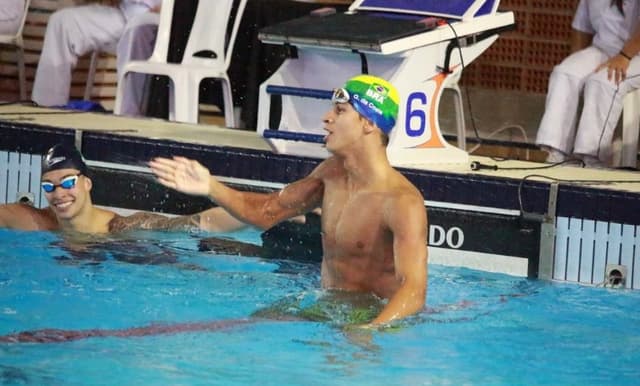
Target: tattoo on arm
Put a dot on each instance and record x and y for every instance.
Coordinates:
(143, 220)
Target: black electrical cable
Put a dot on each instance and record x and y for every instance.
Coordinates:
(476, 165)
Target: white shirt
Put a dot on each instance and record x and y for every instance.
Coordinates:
(602, 19)
(11, 9)
(149, 3)
(132, 8)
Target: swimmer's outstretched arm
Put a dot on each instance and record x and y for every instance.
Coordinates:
(259, 209)
(218, 220)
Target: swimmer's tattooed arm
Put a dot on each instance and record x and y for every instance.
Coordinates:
(145, 220)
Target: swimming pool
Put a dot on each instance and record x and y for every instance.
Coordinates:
(483, 328)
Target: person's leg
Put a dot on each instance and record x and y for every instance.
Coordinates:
(558, 125)
(136, 43)
(71, 33)
(603, 101)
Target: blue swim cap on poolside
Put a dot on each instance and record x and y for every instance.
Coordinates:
(63, 157)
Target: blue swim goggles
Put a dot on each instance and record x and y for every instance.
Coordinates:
(340, 95)
(66, 183)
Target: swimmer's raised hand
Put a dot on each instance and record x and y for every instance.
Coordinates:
(182, 174)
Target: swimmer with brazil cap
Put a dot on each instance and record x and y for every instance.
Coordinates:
(373, 222)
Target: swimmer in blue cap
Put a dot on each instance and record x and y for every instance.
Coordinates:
(66, 185)
(374, 224)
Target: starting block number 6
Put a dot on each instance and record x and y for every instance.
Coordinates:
(416, 114)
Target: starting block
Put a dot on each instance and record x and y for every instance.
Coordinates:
(420, 46)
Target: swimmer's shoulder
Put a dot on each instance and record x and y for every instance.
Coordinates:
(404, 188)
(26, 217)
(330, 167)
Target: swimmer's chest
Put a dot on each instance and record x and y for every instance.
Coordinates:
(354, 224)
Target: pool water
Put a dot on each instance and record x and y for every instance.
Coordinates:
(479, 329)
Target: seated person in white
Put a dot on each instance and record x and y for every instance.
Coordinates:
(604, 66)
(11, 12)
(76, 31)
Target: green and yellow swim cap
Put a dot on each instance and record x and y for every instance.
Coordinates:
(372, 97)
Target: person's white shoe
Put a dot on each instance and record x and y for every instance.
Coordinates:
(554, 156)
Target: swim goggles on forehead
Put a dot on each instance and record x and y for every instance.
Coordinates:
(340, 95)
(66, 183)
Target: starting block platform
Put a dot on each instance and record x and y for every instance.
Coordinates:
(421, 47)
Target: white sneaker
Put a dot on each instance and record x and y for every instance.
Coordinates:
(554, 156)
(593, 162)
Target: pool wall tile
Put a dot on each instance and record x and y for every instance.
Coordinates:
(583, 249)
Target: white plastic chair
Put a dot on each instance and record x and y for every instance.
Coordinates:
(17, 42)
(93, 66)
(207, 55)
(630, 129)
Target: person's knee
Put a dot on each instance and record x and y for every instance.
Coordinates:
(59, 21)
(600, 81)
(59, 17)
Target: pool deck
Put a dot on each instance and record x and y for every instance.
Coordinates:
(210, 135)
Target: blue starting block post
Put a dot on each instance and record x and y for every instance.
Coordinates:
(420, 46)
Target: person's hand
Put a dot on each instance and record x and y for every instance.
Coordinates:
(182, 174)
(616, 68)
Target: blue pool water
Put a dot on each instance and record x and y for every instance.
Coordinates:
(483, 329)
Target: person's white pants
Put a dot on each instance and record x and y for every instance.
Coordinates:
(592, 132)
(76, 31)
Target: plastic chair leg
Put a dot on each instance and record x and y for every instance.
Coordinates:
(91, 73)
(227, 97)
(186, 99)
(21, 75)
(117, 107)
(459, 110)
